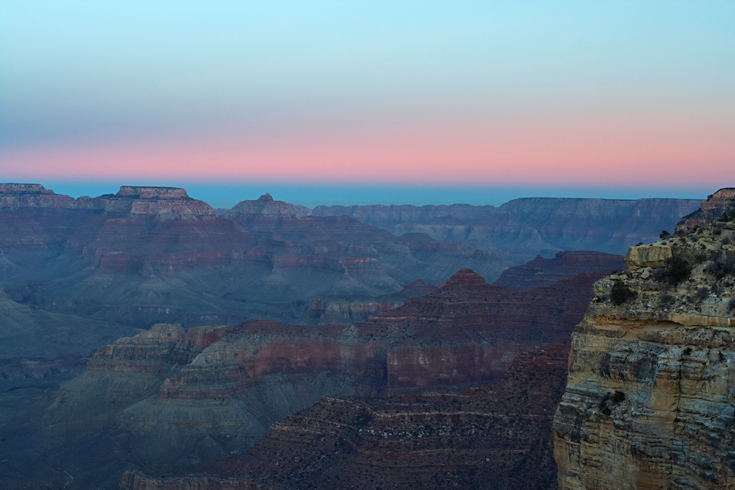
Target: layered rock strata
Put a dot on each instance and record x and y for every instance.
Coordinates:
(496, 437)
(150, 255)
(650, 396)
(718, 204)
(169, 396)
(524, 228)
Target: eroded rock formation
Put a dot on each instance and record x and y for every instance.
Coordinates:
(149, 255)
(524, 228)
(495, 437)
(650, 397)
(718, 204)
(175, 397)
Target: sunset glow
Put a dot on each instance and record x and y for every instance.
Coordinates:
(444, 93)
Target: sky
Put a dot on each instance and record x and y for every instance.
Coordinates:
(357, 102)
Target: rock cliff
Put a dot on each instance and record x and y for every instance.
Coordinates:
(718, 204)
(523, 228)
(650, 391)
(495, 437)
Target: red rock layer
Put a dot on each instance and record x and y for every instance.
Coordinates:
(153, 254)
(497, 437)
(467, 332)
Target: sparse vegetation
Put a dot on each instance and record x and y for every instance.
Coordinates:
(720, 265)
(664, 235)
(620, 293)
(702, 293)
(731, 305)
(677, 270)
(666, 300)
(726, 240)
(609, 400)
(659, 274)
(728, 215)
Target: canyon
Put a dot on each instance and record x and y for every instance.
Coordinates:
(495, 436)
(183, 398)
(363, 346)
(119, 262)
(523, 228)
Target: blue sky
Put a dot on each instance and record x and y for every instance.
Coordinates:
(612, 97)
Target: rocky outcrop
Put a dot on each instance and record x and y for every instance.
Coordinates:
(495, 437)
(542, 272)
(721, 204)
(339, 311)
(649, 397)
(265, 208)
(160, 203)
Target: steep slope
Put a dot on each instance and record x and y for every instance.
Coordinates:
(649, 397)
(36, 344)
(495, 437)
(168, 397)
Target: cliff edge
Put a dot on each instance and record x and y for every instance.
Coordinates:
(650, 395)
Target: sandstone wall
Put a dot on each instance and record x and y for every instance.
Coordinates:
(650, 396)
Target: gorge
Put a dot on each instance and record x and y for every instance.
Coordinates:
(358, 357)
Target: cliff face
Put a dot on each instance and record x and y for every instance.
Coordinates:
(524, 228)
(718, 204)
(651, 385)
(496, 437)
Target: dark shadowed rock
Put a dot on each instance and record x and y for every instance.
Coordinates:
(172, 397)
(545, 272)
